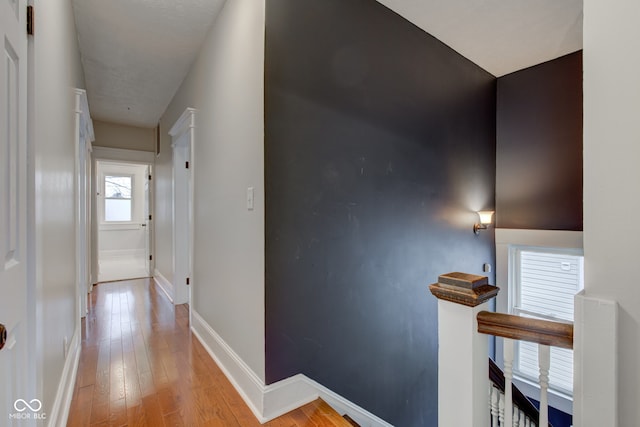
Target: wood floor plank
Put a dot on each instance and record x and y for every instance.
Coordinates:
(323, 415)
(173, 419)
(82, 416)
(136, 416)
(88, 366)
(140, 366)
(100, 401)
(118, 412)
(153, 413)
(301, 418)
(213, 408)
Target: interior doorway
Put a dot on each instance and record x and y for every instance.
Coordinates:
(182, 136)
(123, 238)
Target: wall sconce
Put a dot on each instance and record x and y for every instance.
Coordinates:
(485, 220)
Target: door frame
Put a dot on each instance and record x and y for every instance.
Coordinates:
(84, 137)
(182, 139)
(116, 155)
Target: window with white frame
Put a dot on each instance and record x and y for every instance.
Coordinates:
(544, 282)
(118, 205)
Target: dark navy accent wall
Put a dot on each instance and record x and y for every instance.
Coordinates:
(379, 147)
(539, 146)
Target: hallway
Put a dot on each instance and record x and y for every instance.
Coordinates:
(141, 366)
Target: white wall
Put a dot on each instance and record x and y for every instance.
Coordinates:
(612, 178)
(226, 86)
(57, 71)
(123, 136)
(163, 205)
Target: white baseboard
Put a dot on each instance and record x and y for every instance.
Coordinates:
(164, 284)
(271, 401)
(245, 381)
(60, 410)
(287, 395)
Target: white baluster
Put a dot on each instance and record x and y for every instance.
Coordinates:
(490, 394)
(494, 396)
(508, 375)
(516, 416)
(501, 410)
(522, 418)
(544, 357)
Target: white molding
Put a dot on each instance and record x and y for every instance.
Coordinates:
(286, 395)
(82, 109)
(164, 284)
(271, 401)
(128, 226)
(60, 410)
(123, 156)
(544, 238)
(186, 121)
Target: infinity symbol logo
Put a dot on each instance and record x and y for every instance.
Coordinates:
(21, 405)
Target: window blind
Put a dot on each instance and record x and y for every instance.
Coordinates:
(546, 285)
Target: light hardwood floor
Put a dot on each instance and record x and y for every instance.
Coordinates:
(141, 366)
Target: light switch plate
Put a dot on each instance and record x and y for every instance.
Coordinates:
(250, 198)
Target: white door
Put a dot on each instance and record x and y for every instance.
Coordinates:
(15, 402)
(123, 238)
(182, 173)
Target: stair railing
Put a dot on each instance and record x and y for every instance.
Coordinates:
(525, 414)
(464, 397)
(545, 333)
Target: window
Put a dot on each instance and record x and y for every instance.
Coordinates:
(117, 198)
(544, 283)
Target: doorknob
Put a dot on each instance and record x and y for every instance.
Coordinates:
(143, 225)
(3, 336)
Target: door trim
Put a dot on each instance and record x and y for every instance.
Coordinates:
(182, 139)
(84, 137)
(114, 155)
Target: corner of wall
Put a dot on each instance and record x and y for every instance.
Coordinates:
(268, 402)
(165, 285)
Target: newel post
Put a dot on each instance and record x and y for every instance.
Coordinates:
(463, 366)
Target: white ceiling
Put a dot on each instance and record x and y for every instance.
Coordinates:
(501, 36)
(136, 53)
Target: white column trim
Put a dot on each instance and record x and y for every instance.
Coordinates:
(595, 361)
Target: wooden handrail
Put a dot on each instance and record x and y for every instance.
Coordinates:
(557, 334)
